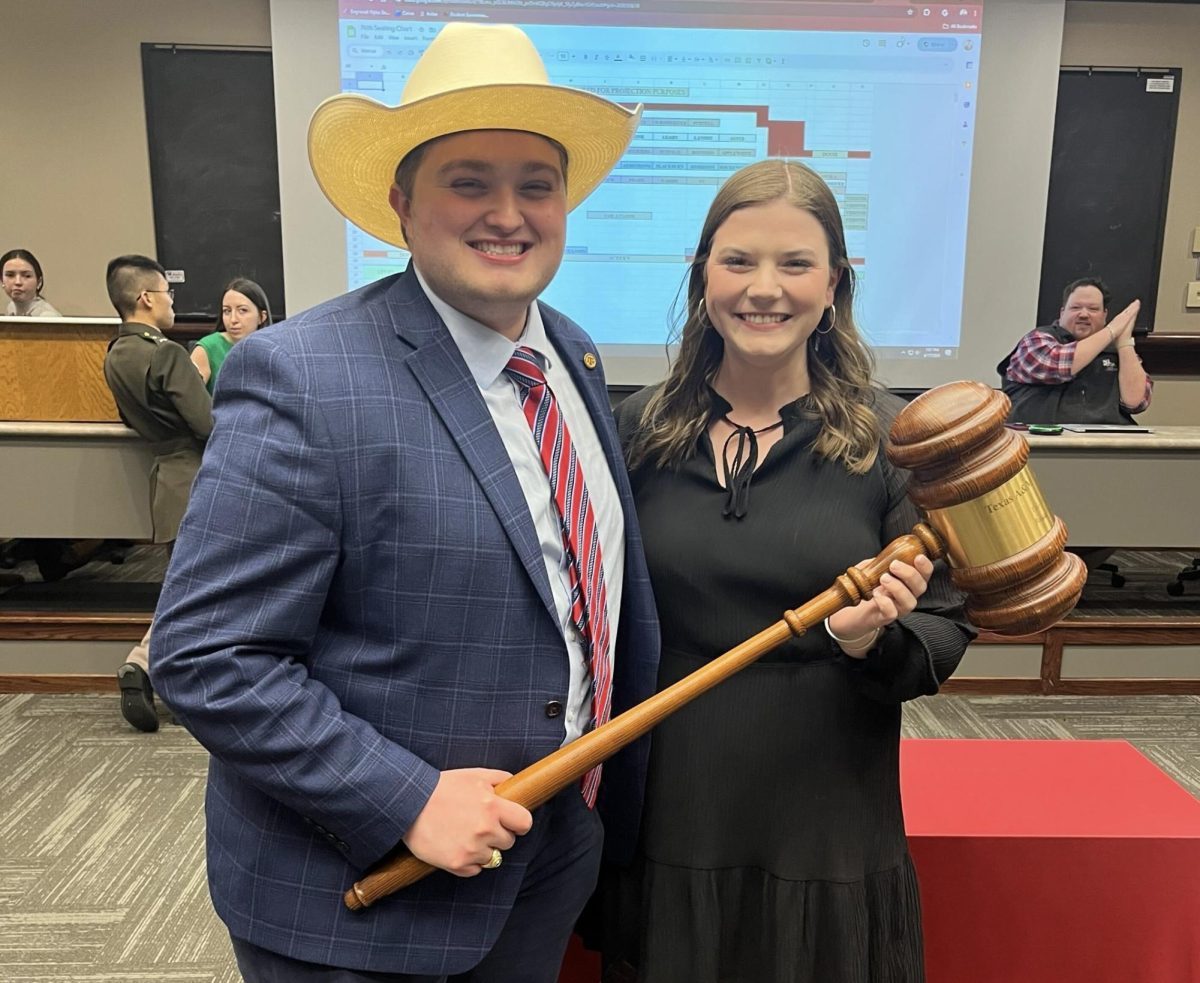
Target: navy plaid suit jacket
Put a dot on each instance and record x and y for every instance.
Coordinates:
(356, 601)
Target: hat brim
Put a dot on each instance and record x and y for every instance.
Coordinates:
(355, 143)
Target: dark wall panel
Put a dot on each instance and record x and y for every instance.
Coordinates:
(1110, 172)
(214, 169)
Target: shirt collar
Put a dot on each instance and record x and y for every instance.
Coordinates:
(485, 351)
(138, 328)
(800, 410)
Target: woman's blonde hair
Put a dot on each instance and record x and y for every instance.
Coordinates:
(839, 362)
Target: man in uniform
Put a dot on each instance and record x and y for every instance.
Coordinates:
(159, 394)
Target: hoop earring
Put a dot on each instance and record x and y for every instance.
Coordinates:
(817, 335)
(830, 316)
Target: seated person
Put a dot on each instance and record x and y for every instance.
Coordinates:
(21, 275)
(244, 309)
(1080, 369)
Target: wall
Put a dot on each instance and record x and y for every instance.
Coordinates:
(1158, 35)
(1176, 403)
(75, 145)
(74, 168)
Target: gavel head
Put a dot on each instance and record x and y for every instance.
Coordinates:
(970, 477)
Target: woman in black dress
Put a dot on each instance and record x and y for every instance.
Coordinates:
(773, 844)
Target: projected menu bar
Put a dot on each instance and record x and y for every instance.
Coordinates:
(874, 15)
(918, 60)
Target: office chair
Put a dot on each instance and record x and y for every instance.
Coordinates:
(1192, 572)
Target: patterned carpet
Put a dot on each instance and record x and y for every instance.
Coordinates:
(101, 849)
(101, 828)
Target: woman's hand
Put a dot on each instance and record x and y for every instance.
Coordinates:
(857, 628)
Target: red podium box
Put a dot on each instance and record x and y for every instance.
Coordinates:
(1054, 861)
(1043, 862)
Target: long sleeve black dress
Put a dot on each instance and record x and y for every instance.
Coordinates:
(773, 844)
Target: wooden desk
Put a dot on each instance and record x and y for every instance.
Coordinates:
(69, 469)
(1125, 490)
(74, 481)
(53, 369)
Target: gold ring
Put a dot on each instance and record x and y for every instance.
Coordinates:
(496, 861)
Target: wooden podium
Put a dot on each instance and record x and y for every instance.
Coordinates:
(52, 369)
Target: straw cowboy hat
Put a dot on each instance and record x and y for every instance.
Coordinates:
(471, 77)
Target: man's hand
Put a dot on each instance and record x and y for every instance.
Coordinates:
(464, 820)
(1133, 386)
(1122, 325)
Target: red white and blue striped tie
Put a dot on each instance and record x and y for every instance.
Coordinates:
(581, 538)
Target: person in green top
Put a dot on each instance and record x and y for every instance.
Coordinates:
(244, 309)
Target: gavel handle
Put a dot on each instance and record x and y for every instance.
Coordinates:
(544, 779)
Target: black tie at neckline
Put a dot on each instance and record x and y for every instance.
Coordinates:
(745, 460)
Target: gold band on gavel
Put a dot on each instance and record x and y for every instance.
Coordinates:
(996, 525)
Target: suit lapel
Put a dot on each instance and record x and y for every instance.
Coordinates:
(439, 369)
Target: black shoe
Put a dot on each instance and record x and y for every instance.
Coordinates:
(137, 697)
(54, 559)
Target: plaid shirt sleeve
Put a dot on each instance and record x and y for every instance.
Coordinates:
(1040, 358)
(1145, 403)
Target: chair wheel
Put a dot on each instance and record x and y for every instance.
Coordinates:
(1175, 588)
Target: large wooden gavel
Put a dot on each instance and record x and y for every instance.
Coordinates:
(986, 516)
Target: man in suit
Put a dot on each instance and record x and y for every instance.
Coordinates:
(384, 600)
(160, 395)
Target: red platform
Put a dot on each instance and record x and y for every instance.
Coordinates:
(1055, 861)
(1044, 862)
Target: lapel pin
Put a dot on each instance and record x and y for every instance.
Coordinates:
(589, 360)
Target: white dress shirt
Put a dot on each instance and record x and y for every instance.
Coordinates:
(486, 353)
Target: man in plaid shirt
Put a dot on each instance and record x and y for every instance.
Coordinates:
(1080, 369)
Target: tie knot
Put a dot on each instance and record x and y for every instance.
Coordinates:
(525, 368)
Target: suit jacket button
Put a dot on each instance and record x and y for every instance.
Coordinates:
(554, 709)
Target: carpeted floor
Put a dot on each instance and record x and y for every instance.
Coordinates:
(101, 848)
(101, 828)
